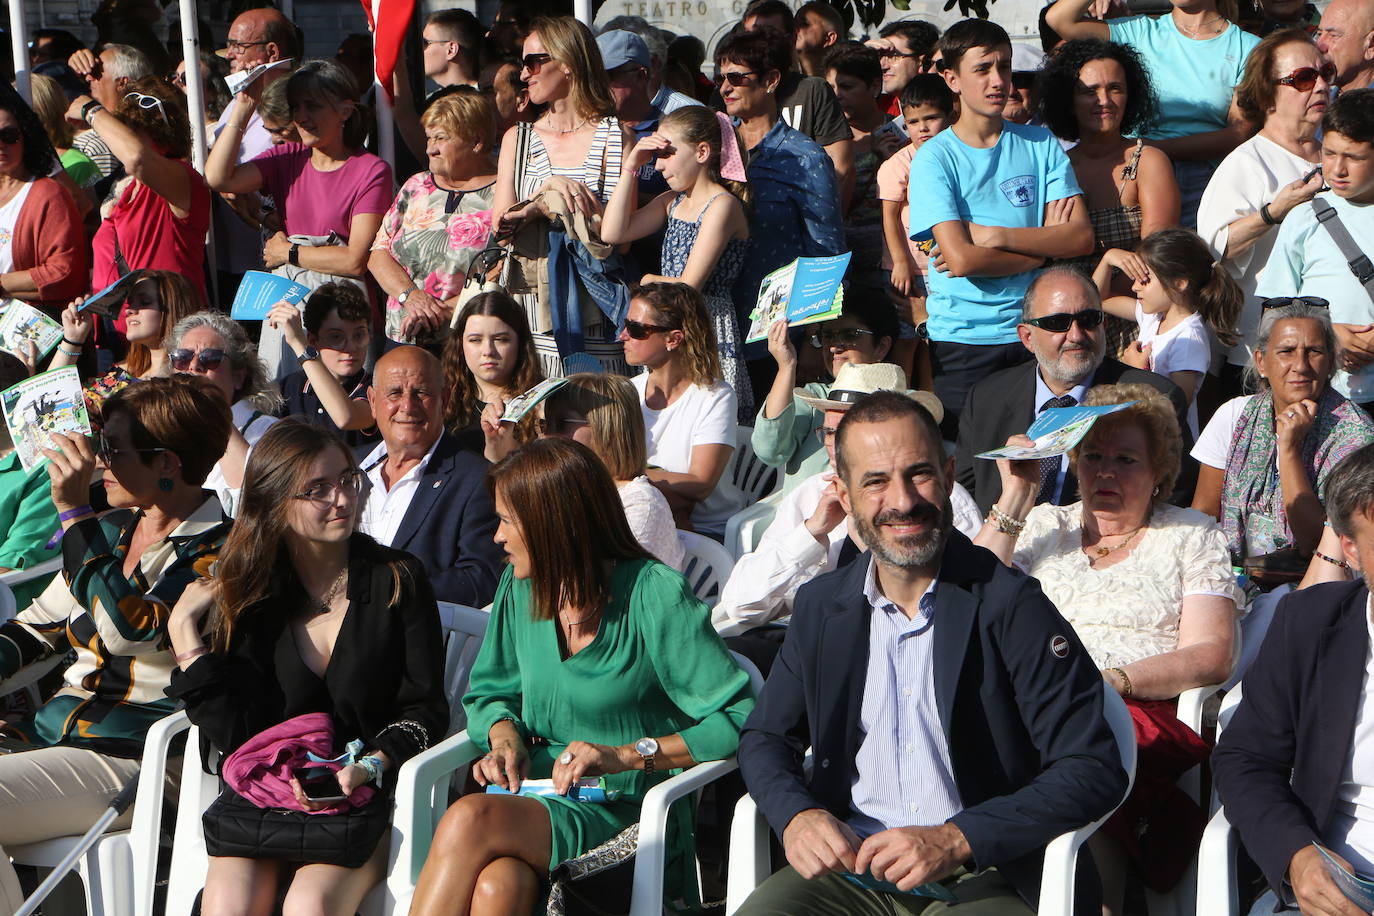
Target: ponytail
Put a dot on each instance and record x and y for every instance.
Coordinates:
(1180, 258)
(1219, 302)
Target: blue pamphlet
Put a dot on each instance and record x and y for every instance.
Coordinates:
(1056, 431)
(259, 291)
(108, 300)
(1360, 891)
(936, 891)
(591, 790)
(807, 290)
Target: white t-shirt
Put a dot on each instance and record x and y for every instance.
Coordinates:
(1351, 834)
(1186, 347)
(700, 416)
(1214, 442)
(9, 218)
(1246, 180)
(651, 521)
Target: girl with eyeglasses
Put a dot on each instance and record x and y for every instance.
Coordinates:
(160, 216)
(212, 345)
(1286, 87)
(306, 616)
(488, 359)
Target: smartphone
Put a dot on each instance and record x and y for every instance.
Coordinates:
(319, 783)
(1308, 177)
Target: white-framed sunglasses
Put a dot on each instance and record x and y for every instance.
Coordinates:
(150, 101)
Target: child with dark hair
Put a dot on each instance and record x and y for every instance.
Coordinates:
(855, 75)
(330, 338)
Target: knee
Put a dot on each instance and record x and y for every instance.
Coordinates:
(503, 881)
(297, 904)
(469, 822)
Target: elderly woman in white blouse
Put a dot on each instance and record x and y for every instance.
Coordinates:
(1147, 586)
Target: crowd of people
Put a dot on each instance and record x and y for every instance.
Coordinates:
(526, 361)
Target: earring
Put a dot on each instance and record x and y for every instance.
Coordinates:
(1156, 490)
(164, 484)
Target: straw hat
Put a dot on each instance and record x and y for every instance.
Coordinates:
(855, 380)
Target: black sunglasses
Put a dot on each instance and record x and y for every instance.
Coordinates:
(535, 62)
(107, 453)
(1059, 322)
(640, 331)
(1278, 302)
(736, 77)
(209, 359)
(848, 338)
(1304, 78)
(10, 135)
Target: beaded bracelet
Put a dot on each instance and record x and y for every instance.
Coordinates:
(1005, 523)
(1332, 560)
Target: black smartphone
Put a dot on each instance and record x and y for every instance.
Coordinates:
(319, 783)
(1308, 177)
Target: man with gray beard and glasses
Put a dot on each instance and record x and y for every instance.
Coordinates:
(955, 720)
(1061, 324)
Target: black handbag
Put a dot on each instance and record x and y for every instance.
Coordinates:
(238, 828)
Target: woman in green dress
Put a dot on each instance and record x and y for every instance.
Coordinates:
(598, 661)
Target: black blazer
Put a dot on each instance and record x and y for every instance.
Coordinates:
(387, 666)
(1003, 404)
(1280, 761)
(450, 523)
(1032, 755)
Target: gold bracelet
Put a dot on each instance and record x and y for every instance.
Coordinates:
(1125, 681)
(1005, 523)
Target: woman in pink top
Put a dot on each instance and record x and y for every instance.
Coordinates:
(160, 215)
(326, 183)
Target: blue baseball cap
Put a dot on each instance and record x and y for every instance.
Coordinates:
(619, 47)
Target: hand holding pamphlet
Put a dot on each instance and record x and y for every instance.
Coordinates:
(932, 889)
(520, 405)
(259, 291)
(237, 82)
(805, 291)
(1055, 432)
(591, 790)
(21, 324)
(1360, 891)
(50, 402)
(108, 300)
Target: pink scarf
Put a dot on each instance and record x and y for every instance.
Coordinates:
(260, 770)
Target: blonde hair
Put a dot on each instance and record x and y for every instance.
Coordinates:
(680, 307)
(611, 406)
(469, 116)
(51, 107)
(1154, 414)
(571, 44)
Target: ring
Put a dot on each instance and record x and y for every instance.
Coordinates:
(566, 758)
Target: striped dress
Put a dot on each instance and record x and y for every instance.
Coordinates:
(599, 172)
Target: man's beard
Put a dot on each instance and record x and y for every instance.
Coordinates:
(914, 550)
(1071, 368)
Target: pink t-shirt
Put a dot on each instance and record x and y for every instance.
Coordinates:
(893, 177)
(317, 203)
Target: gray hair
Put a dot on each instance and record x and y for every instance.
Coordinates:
(1052, 273)
(1270, 317)
(127, 62)
(658, 45)
(258, 390)
(1350, 489)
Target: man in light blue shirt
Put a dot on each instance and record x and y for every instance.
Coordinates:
(999, 199)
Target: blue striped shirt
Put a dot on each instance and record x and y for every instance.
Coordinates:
(903, 777)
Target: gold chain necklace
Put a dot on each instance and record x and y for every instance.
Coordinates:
(1192, 31)
(1101, 551)
(322, 604)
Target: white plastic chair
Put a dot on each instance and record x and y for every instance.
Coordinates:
(747, 473)
(120, 870)
(750, 861)
(1217, 890)
(20, 576)
(745, 528)
(7, 605)
(706, 565)
(422, 799)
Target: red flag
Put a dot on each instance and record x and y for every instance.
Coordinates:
(388, 33)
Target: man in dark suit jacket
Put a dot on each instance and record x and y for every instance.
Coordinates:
(954, 717)
(428, 493)
(1066, 363)
(1283, 766)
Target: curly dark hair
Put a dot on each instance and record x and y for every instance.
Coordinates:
(165, 123)
(1059, 85)
(39, 158)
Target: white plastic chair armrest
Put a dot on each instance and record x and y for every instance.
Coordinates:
(1191, 702)
(1216, 868)
(29, 573)
(1057, 877)
(750, 860)
(420, 786)
(147, 819)
(652, 851)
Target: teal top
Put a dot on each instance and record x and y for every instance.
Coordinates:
(28, 520)
(787, 441)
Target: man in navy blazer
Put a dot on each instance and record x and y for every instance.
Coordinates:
(427, 492)
(1293, 766)
(954, 718)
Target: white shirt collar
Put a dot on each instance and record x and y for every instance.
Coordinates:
(1043, 392)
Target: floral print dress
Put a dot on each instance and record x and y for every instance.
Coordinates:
(434, 235)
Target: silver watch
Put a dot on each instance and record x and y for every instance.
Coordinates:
(647, 748)
(406, 295)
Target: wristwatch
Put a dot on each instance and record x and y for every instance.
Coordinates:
(402, 297)
(307, 355)
(647, 748)
(294, 255)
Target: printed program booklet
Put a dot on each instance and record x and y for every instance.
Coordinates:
(1055, 432)
(1359, 890)
(50, 402)
(21, 324)
(107, 302)
(805, 291)
(591, 790)
(237, 82)
(259, 291)
(520, 405)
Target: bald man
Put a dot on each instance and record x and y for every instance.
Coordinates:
(427, 492)
(1346, 37)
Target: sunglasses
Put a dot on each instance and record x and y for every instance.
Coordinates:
(108, 453)
(533, 63)
(1059, 322)
(208, 359)
(1278, 302)
(889, 53)
(640, 331)
(1304, 78)
(176, 79)
(846, 338)
(10, 135)
(350, 483)
(148, 102)
(736, 78)
(560, 426)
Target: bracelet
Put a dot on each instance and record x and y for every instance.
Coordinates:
(72, 343)
(1005, 523)
(372, 765)
(89, 109)
(1267, 216)
(75, 354)
(185, 657)
(1332, 560)
(1125, 681)
(75, 513)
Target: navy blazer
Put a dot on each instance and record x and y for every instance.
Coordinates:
(1280, 761)
(1032, 754)
(450, 523)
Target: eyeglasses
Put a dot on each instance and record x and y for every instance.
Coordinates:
(1304, 78)
(240, 46)
(560, 426)
(533, 63)
(824, 434)
(434, 41)
(1059, 322)
(10, 135)
(640, 331)
(176, 78)
(1278, 302)
(149, 102)
(889, 53)
(338, 340)
(108, 453)
(324, 493)
(844, 338)
(208, 359)
(736, 77)
(139, 306)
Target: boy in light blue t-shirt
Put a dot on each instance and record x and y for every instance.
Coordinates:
(999, 199)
